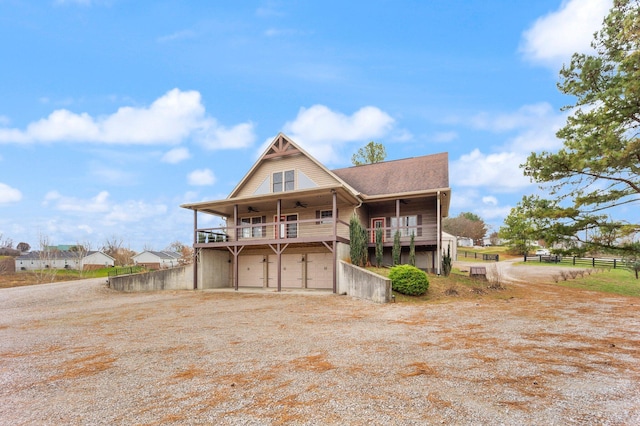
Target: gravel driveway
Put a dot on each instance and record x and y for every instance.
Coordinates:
(80, 353)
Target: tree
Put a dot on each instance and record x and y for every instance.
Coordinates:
(446, 262)
(185, 251)
(46, 255)
(466, 224)
(358, 242)
(597, 168)
(396, 250)
(371, 153)
(80, 251)
(519, 228)
(113, 246)
(379, 247)
(23, 247)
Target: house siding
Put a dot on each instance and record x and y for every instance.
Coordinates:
(294, 162)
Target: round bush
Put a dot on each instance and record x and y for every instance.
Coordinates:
(409, 280)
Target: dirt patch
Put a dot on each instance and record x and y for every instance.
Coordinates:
(79, 353)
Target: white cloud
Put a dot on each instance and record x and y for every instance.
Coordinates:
(134, 211)
(107, 213)
(178, 35)
(533, 126)
(201, 177)
(213, 136)
(445, 136)
(176, 155)
(9, 194)
(97, 204)
(490, 199)
(323, 132)
(86, 228)
(499, 171)
(175, 116)
(111, 175)
(553, 38)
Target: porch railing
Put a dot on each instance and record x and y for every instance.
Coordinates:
(321, 228)
(421, 233)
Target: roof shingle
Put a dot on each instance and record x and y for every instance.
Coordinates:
(428, 172)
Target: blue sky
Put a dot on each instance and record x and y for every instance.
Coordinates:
(114, 112)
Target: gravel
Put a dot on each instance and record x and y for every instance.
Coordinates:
(80, 353)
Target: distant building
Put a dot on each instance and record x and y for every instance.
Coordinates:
(157, 259)
(63, 259)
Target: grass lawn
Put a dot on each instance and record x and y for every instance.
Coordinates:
(31, 277)
(615, 281)
(458, 285)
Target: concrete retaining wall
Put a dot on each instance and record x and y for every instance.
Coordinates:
(363, 284)
(166, 279)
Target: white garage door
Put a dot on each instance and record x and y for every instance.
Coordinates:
(292, 270)
(250, 271)
(320, 270)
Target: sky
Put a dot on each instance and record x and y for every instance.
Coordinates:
(115, 112)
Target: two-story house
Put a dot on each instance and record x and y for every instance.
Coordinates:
(287, 220)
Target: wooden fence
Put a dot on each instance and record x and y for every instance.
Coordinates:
(481, 256)
(586, 262)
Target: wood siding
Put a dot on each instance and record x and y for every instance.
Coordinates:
(294, 162)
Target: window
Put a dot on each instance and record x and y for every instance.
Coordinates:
(249, 228)
(284, 181)
(326, 214)
(408, 225)
(277, 182)
(288, 229)
(289, 180)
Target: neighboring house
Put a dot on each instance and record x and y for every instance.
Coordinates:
(287, 220)
(451, 242)
(97, 260)
(465, 242)
(57, 259)
(157, 259)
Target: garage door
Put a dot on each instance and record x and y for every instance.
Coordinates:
(320, 270)
(292, 270)
(250, 271)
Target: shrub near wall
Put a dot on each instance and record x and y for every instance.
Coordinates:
(409, 280)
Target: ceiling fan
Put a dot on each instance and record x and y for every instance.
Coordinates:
(300, 204)
(252, 210)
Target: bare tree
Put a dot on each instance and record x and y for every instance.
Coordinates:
(80, 251)
(5, 242)
(113, 246)
(46, 255)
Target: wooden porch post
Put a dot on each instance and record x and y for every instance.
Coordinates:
(195, 250)
(439, 235)
(278, 251)
(397, 216)
(235, 221)
(334, 215)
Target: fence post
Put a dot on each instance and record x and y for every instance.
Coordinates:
(574, 260)
(593, 262)
(614, 263)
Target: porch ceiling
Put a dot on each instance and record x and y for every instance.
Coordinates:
(311, 198)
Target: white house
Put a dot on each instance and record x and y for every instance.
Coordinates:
(57, 259)
(157, 259)
(451, 242)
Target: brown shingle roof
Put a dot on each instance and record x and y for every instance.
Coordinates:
(424, 173)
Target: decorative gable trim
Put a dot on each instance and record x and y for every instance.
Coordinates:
(281, 147)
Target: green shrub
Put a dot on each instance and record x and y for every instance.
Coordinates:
(409, 280)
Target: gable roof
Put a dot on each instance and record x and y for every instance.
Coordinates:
(283, 146)
(161, 254)
(58, 255)
(416, 174)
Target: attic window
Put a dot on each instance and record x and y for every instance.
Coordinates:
(284, 181)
